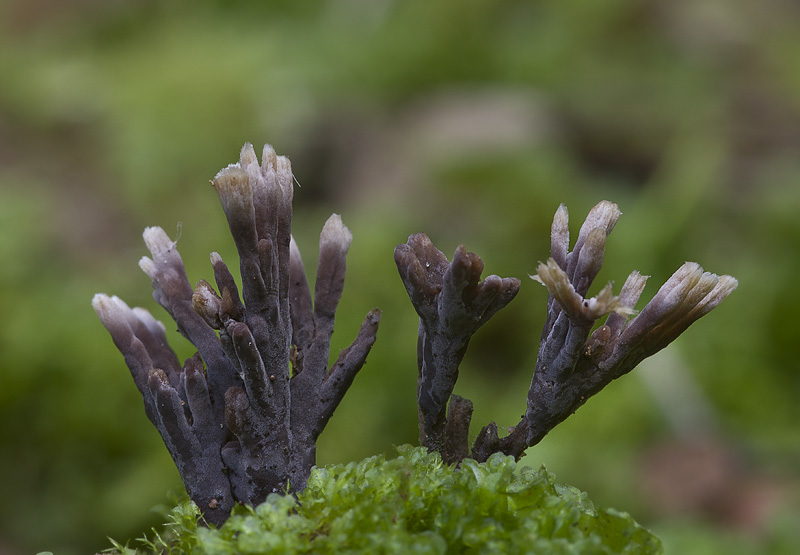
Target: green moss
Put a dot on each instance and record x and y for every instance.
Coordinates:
(414, 504)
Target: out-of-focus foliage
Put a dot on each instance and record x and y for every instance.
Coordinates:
(414, 504)
(470, 120)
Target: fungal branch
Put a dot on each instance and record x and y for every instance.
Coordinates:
(242, 416)
(452, 304)
(573, 362)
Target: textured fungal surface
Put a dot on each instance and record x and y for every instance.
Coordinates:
(241, 417)
(573, 361)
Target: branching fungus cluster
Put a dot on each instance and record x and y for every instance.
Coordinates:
(242, 416)
(573, 363)
(245, 425)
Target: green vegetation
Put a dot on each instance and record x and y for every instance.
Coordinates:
(413, 503)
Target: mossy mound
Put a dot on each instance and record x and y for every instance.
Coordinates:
(414, 504)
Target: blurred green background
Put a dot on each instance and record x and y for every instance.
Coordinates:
(470, 120)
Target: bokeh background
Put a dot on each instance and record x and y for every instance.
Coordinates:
(470, 120)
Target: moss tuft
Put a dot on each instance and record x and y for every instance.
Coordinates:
(413, 503)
